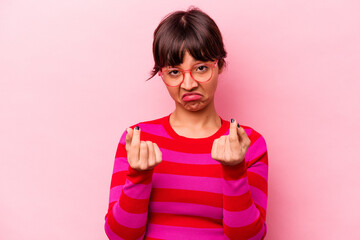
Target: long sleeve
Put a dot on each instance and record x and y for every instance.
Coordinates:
(129, 198)
(245, 193)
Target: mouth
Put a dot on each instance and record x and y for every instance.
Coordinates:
(187, 97)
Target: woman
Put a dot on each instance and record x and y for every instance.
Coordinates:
(191, 174)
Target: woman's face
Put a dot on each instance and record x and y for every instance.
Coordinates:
(190, 94)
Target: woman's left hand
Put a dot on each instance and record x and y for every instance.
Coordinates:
(231, 149)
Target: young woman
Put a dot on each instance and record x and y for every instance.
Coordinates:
(190, 174)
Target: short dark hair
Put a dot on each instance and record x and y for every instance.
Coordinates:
(193, 31)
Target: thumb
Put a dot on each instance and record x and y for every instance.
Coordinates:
(129, 135)
(239, 130)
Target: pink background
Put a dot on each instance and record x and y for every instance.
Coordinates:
(72, 79)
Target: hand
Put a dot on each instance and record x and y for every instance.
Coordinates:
(231, 149)
(141, 155)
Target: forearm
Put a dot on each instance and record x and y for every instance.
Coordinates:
(129, 198)
(243, 214)
(128, 215)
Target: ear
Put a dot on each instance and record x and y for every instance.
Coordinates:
(221, 70)
(222, 67)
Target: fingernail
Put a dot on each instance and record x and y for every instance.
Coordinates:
(238, 125)
(232, 120)
(137, 128)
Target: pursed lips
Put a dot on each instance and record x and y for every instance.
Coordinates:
(191, 96)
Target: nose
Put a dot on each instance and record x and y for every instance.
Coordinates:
(189, 83)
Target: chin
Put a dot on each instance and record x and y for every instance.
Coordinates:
(194, 106)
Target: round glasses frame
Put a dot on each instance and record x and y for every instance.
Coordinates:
(210, 65)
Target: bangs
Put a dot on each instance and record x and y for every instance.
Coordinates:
(182, 41)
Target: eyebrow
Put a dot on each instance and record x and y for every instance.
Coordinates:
(195, 63)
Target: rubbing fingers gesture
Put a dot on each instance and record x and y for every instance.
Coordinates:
(142, 155)
(231, 149)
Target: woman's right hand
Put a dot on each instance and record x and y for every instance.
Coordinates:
(141, 155)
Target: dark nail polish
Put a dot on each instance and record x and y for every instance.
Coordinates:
(238, 125)
(137, 128)
(232, 120)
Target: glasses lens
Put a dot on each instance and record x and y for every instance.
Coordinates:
(202, 73)
(172, 77)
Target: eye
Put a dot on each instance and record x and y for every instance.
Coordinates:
(202, 68)
(173, 72)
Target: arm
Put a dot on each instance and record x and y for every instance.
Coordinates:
(244, 182)
(130, 187)
(245, 193)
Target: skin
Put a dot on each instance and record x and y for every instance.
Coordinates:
(142, 155)
(231, 149)
(207, 89)
(194, 119)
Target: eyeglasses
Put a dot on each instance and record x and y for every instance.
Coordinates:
(202, 72)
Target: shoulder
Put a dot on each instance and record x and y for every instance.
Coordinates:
(252, 134)
(150, 123)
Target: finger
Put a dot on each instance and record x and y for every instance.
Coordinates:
(228, 148)
(158, 154)
(233, 136)
(129, 134)
(243, 136)
(152, 157)
(233, 130)
(135, 145)
(144, 156)
(214, 149)
(221, 147)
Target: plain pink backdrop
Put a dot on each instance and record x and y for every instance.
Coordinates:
(72, 78)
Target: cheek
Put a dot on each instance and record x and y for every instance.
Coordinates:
(213, 86)
(172, 91)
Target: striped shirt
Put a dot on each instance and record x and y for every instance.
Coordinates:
(188, 195)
